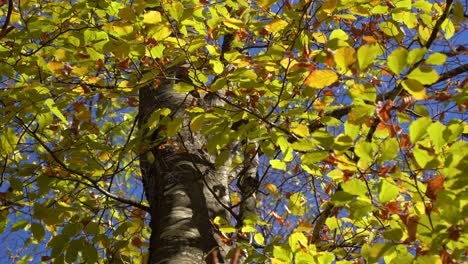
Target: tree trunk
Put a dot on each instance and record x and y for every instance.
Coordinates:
(182, 185)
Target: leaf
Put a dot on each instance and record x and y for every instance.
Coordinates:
(301, 130)
(21, 224)
(391, 29)
(415, 88)
(272, 189)
(418, 129)
(366, 55)
(259, 239)
(422, 157)
(321, 78)
(436, 133)
(390, 149)
(424, 74)
(152, 17)
(38, 231)
(434, 186)
(282, 253)
(359, 208)
(355, 187)
(278, 164)
(296, 241)
(183, 87)
(49, 102)
(233, 23)
(364, 150)
(415, 55)
(276, 26)
(388, 191)
(296, 203)
(396, 61)
(343, 142)
(265, 3)
(8, 140)
(344, 57)
(436, 59)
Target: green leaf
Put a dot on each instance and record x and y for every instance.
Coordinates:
(8, 141)
(415, 55)
(388, 190)
(343, 142)
(359, 208)
(355, 187)
(436, 59)
(38, 231)
(183, 87)
(283, 253)
(278, 164)
(218, 67)
(436, 133)
(21, 224)
(296, 204)
(418, 129)
(422, 157)
(390, 149)
(424, 74)
(366, 55)
(391, 29)
(396, 61)
(49, 102)
(301, 130)
(415, 88)
(294, 239)
(364, 150)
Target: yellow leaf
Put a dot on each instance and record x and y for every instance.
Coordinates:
(276, 26)
(344, 57)
(80, 71)
(56, 67)
(320, 37)
(235, 199)
(328, 6)
(272, 188)
(301, 130)
(321, 78)
(152, 17)
(233, 23)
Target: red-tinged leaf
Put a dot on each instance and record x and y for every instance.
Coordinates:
(392, 207)
(404, 141)
(329, 187)
(328, 92)
(132, 102)
(411, 226)
(46, 258)
(278, 218)
(434, 186)
(136, 241)
(370, 39)
(302, 245)
(455, 232)
(383, 111)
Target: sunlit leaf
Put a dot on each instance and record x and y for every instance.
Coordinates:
(321, 78)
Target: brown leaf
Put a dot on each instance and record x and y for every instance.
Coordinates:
(434, 186)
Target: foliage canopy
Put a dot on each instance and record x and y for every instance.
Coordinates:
(357, 109)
